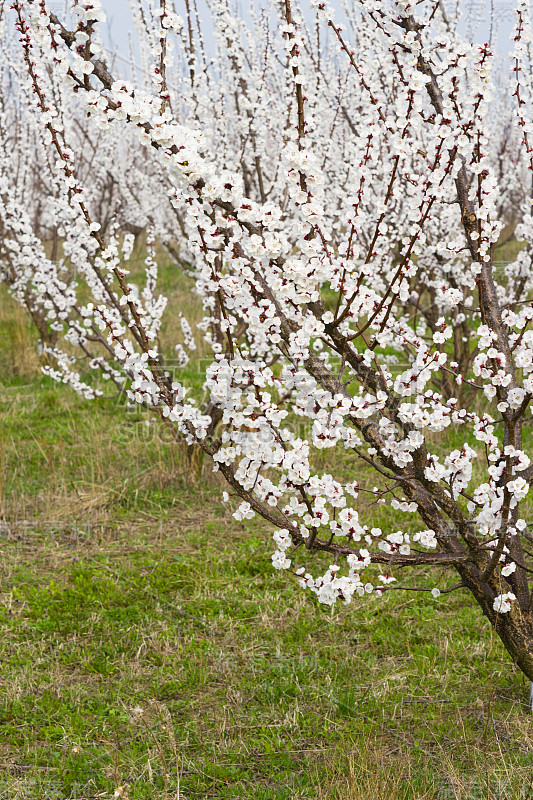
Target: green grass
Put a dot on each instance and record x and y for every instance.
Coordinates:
(247, 687)
(147, 643)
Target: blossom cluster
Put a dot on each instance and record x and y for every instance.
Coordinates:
(339, 210)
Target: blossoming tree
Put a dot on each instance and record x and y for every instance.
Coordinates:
(339, 193)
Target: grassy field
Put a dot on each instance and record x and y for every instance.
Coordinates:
(149, 650)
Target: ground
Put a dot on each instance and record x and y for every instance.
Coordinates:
(149, 650)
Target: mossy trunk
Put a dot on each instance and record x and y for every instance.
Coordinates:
(515, 627)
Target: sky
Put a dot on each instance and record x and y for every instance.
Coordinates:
(119, 22)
